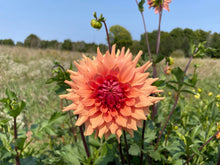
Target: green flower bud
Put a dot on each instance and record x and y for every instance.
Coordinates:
(96, 24)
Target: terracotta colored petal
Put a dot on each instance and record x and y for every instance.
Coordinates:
(130, 102)
(143, 101)
(96, 120)
(81, 120)
(126, 111)
(70, 107)
(102, 130)
(118, 134)
(138, 114)
(121, 120)
(113, 127)
(88, 129)
(107, 117)
(131, 124)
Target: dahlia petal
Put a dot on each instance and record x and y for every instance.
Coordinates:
(120, 120)
(102, 130)
(126, 74)
(107, 117)
(113, 51)
(88, 102)
(126, 111)
(130, 102)
(139, 79)
(144, 67)
(150, 81)
(113, 127)
(88, 129)
(70, 83)
(134, 92)
(99, 56)
(72, 72)
(131, 124)
(84, 93)
(135, 61)
(81, 120)
(118, 134)
(80, 109)
(138, 114)
(143, 101)
(63, 96)
(92, 111)
(70, 107)
(155, 99)
(96, 120)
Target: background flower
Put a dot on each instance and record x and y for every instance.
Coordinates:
(110, 94)
(158, 5)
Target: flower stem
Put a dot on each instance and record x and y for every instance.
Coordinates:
(204, 144)
(121, 155)
(106, 30)
(17, 159)
(173, 108)
(84, 141)
(218, 163)
(146, 34)
(126, 147)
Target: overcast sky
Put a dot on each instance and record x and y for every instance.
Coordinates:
(70, 19)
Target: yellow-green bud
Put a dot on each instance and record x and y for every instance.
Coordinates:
(96, 24)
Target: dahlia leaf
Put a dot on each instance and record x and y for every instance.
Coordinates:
(134, 150)
(178, 73)
(20, 142)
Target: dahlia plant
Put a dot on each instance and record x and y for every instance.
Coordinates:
(110, 94)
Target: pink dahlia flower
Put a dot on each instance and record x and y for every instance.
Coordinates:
(158, 5)
(110, 94)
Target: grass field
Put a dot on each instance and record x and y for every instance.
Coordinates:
(26, 70)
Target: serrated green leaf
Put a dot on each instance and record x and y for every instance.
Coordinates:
(134, 150)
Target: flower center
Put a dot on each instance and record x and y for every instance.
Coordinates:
(111, 93)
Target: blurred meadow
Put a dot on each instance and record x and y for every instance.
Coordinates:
(26, 71)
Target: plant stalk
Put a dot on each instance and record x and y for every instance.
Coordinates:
(121, 155)
(173, 108)
(17, 159)
(84, 141)
(109, 44)
(126, 147)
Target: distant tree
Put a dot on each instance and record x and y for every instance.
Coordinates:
(215, 43)
(103, 48)
(32, 41)
(136, 47)
(120, 36)
(19, 43)
(67, 45)
(8, 42)
(54, 44)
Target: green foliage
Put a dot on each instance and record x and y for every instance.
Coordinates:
(120, 36)
(32, 41)
(8, 42)
(67, 45)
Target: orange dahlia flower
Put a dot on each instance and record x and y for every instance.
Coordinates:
(158, 5)
(110, 94)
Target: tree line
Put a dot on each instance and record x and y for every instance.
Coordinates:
(175, 43)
